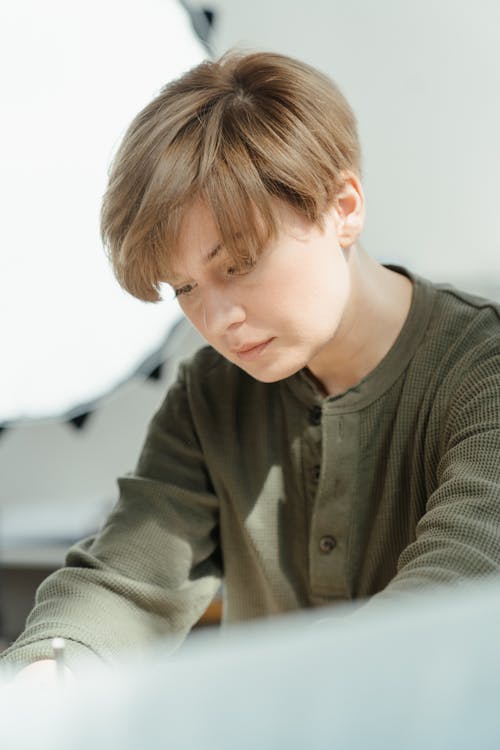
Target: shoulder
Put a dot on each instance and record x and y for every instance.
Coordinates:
(456, 351)
(474, 323)
(210, 377)
(225, 402)
(465, 336)
(467, 311)
(461, 327)
(206, 366)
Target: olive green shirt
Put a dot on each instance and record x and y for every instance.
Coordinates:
(293, 499)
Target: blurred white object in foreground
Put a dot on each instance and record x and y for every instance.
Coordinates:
(421, 673)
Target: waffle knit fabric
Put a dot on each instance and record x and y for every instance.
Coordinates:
(292, 499)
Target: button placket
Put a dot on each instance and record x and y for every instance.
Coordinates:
(331, 517)
(311, 453)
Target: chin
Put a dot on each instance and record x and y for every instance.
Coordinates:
(273, 373)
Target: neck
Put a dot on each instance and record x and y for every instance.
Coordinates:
(378, 306)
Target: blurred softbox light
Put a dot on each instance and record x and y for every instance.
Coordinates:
(73, 77)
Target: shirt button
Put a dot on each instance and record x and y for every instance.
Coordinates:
(327, 543)
(316, 471)
(315, 415)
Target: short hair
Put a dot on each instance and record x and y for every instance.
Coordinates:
(235, 132)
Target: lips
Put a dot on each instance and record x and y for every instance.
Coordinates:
(247, 347)
(251, 351)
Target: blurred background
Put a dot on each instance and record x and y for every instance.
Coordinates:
(84, 365)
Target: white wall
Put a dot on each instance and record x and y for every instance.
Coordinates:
(424, 81)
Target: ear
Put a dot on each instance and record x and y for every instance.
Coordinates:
(350, 209)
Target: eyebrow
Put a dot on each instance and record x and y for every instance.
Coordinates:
(175, 280)
(211, 255)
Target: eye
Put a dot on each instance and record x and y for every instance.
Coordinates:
(184, 290)
(245, 266)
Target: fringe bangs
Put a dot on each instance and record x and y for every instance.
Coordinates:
(240, 133)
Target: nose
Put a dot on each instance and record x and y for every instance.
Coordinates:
(220, 312)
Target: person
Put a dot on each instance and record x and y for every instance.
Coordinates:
(338, 437)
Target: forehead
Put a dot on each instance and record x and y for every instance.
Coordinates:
(198, 239)
(198, 228)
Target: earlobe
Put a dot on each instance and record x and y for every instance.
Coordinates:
(350, 209)
(349, 230)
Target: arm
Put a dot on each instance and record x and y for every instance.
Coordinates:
(458, 537)
(153, 568)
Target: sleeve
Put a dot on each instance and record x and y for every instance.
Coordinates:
(153, 568)
(458, 537)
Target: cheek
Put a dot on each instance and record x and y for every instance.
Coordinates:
(324, 303)
(314, 291)
(193, 314)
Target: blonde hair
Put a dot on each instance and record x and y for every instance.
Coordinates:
(236, 132)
